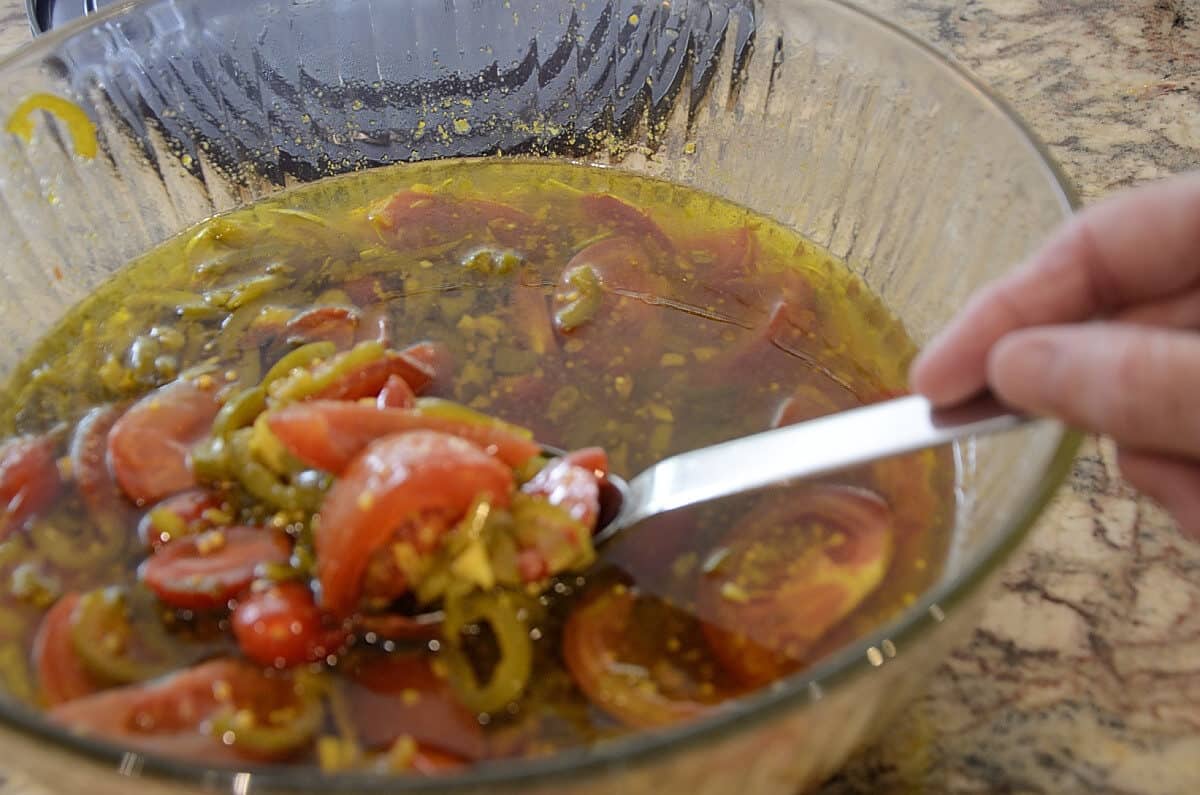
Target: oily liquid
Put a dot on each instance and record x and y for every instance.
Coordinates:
(668, 378)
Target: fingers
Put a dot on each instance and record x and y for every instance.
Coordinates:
(1177, 311)
(1139, 246)
(1173, 483)
(1134, 383)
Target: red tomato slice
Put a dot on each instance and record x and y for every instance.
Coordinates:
(29, 480)
(328, 434)
(204, 572)
(336, 324)
(282, 627)
(399, 694)
(368, 380)
(508, 225)
(397, 478)
(189, 506)
(594, 459)
(149, 447)
(623, 217)
(435, 357)
(797, 567)
(598, 648)
(167, 715)
(61, 673)
(396, 394)
(414, 219)
(106, 503)
(573, 488)
(624, 328)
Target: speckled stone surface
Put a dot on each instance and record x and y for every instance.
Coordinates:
(1084, 675)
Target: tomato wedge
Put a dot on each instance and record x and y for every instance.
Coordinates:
(149, 447)
(61, 673)
(328, 434)
(29, 480)
(336, 324)
(105, 502)
(397, 478)
(168, 715)
(796, 567)
(282, 627)
(620, 671)
(204, 572)
(187, 509)
(399, 694)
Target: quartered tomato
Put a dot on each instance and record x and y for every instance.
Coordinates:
(795, 568)
(329, 434)
(204, 572)
(633, 674)
(29, 480)
(149, 447)
(106, 504)
(62, 676)
(282, 627)
(395, 479)
(171, 715)
(399, 694)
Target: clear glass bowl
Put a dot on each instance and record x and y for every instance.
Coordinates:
(813, 112)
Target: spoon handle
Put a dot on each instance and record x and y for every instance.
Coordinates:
(809, 449)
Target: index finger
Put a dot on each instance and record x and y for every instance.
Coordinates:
(1137, 246)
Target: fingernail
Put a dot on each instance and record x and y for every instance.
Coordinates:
(1020, 366)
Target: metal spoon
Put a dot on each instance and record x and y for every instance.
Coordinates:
(806, 449)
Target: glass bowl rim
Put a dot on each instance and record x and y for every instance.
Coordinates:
(640, 747)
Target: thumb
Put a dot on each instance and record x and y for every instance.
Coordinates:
(1137, 384)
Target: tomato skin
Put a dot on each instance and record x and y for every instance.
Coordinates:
(149, 447)
(802, 562)
(189, 506)
(399, 694)
(336, 324)
(432, 762)
(29, 480)
(437, 358)
(282, 627)
(328, 434)
(591, 642)
(396, 394)
(186, 574)
(167, 715)
(105, 502)
(61, 674)
(395, 479)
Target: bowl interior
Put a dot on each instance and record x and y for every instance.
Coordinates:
(813, 113)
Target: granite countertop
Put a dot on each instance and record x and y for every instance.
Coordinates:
(1084, 675)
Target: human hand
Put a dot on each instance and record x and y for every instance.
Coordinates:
(1099, 329)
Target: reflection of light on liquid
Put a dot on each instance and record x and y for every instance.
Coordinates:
(937, 613)
(241, 784)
